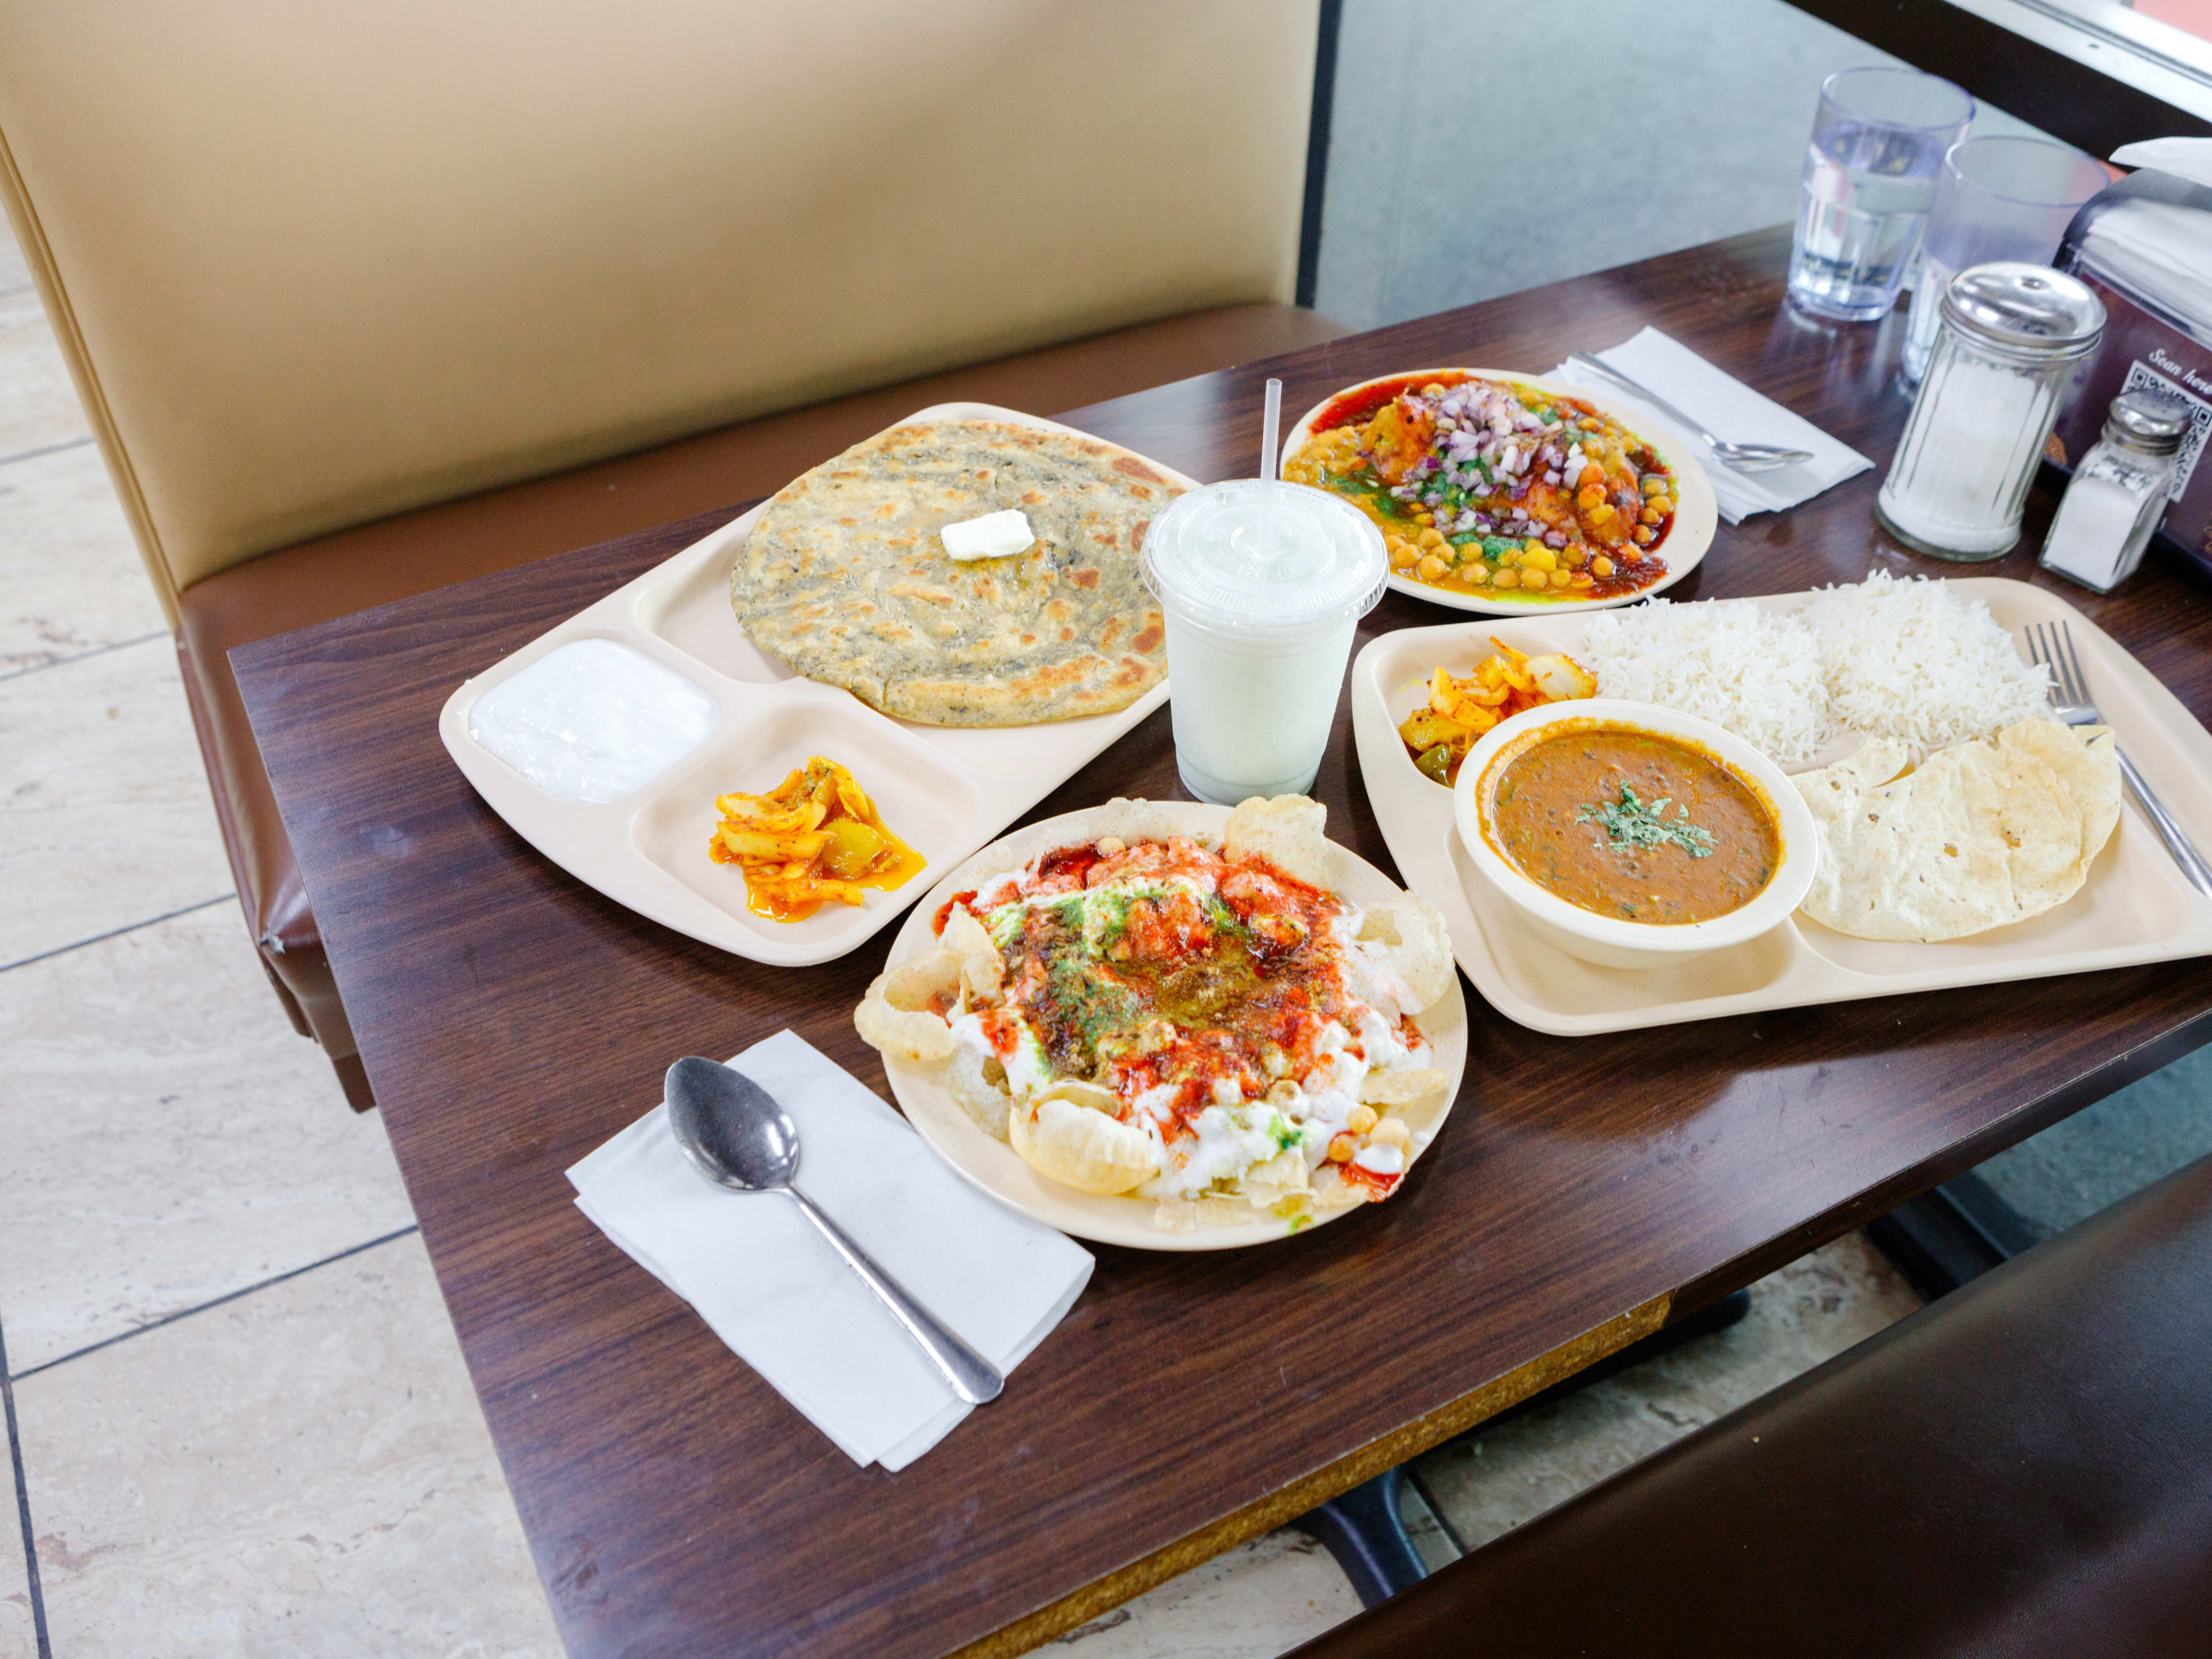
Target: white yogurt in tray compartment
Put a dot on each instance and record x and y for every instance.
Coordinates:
(603, 742)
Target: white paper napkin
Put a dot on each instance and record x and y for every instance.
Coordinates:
(772, 1287)
(1730, 409)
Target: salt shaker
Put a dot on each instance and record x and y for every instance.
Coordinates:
(2118, 493)
(2010, 338)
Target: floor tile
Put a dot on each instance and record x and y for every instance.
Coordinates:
(1490, 1481)
(18, 1631)
(2102, 1153)
(1258, 1600)
(303, 1473)
(169, 1138)
(105, 816)
(38, 403)
(70, 581)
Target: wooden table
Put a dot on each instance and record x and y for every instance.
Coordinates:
(512, 1019)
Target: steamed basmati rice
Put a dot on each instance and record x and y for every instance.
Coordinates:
(1723, 660)
(1880, 658)
(1912, 660)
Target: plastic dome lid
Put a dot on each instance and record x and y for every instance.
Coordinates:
(1224, 557)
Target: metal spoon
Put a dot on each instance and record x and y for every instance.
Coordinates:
(736, 1136)
(1744, 458)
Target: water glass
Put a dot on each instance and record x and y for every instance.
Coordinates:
(1878, 142)
(1996, 199)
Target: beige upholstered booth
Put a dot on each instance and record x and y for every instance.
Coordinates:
(362, 300)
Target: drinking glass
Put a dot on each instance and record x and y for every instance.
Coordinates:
(1878, 142)
(1996, 199)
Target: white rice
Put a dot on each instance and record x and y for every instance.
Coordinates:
(1912, 660)
(1723, 660)
(1907, 660)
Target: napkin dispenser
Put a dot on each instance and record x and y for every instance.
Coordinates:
(2143, 245)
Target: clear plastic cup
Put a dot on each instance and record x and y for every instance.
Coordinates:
(1996, 199)
(1261, 599)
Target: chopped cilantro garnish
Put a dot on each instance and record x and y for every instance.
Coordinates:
(1629, 823)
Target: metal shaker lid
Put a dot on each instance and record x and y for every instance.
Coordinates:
(2028, 310)
(2148, 422)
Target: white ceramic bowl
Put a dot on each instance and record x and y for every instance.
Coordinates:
(1607, 940)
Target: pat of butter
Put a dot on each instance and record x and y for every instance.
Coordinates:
(993, 536)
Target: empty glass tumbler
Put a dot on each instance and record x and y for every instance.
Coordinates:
(1878, 142)
(1996, 199)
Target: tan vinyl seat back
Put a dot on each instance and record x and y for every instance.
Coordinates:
(317, 264)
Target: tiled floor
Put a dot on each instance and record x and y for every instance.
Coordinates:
(242, 1425)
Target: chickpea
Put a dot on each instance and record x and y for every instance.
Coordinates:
(1583, 579)
(1432, 390)
(1430, 567)
(1664, 503)
(1561, 578)
(1541, 558)
(1341, 1148)
(1403, 556)
(1392, 1131)
(1282, 1091)
(1653, 484)
(1589, 497)
(1601, 566)
(1643, 536)
(1425, 518)
(1592, 477)
(1507, 577)
(1360, 1120)
(1109, 846)
(1651, 515)
(1603, 514)
(1433, 539)
(1575, 557)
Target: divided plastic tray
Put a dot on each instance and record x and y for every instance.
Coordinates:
(2134, 907)
(945, 790)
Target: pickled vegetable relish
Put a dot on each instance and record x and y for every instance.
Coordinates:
(1496, 488)
(814, 837)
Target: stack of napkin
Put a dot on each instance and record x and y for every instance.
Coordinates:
(772, 1287)
(1729, 409)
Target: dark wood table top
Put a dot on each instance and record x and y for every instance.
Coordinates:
(512, 1019)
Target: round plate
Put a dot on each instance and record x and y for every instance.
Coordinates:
(996, 1169)
(1696, 512)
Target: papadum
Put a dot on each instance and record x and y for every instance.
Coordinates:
(1980, 835)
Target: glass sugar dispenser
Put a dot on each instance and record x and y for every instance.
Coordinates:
(2118, 493)
(2009, 340)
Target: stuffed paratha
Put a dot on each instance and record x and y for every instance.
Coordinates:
(846, 578)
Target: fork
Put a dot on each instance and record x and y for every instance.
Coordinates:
(2051, 645)
(1744, 458)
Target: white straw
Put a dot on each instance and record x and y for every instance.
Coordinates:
(1270, 428)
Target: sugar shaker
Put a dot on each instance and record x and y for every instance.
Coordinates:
(2011, 339)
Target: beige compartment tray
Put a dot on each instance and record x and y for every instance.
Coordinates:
(945, 790)
(2134, 907)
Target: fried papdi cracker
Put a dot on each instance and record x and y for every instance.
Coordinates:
(1066, 1139)
(898, 1015)
(1420, 948)
(1285, 831)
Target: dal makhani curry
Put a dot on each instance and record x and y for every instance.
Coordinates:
(1629, 824)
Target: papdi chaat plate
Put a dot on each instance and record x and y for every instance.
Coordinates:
(1505, 493)
(1173, 1026)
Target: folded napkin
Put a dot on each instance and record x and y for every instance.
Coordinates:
(1730, 409)
(771, 1286)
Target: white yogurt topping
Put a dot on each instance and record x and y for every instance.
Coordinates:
(593, 720)
(993, 536)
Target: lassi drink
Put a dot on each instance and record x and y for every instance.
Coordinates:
(1261, 598)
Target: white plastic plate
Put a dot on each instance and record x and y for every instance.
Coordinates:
(2134, 907)
(943, 790)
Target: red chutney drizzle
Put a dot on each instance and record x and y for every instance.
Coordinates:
(944, 910)
(1381, 1185)
(1257, 984)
